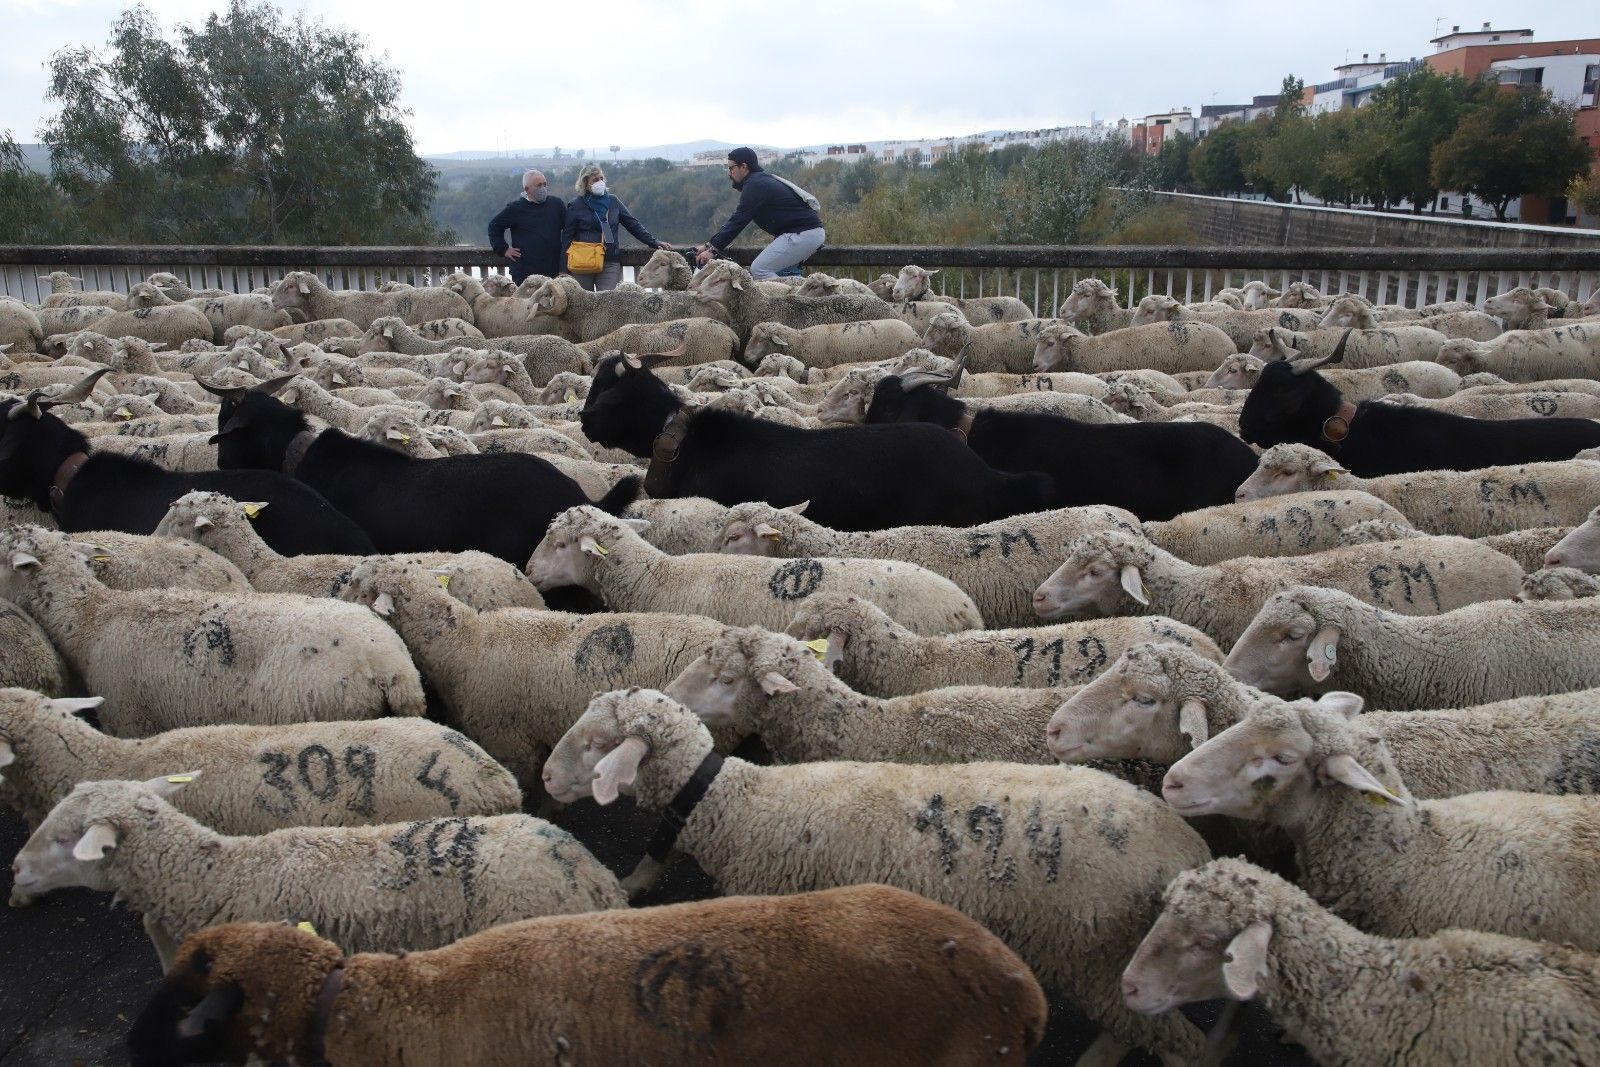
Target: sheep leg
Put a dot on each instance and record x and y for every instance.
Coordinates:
(166, 945)
(1106, 1051)
(643, 877)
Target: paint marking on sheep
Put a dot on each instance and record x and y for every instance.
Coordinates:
(606, 652)
(441, 784)
(1381, 576)
(796, 580)
(1541, 404)
(218, 638)
(978, 543)
(448, 845)
(361, 764)
(932, 818)
(1043, 848)
(689, 986)
(987, 826)
(1579, 772)
(329, 773)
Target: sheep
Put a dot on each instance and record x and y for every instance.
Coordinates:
(998, 563)
(729, 288)
(665, 269)
(1579, 547)
(1312, 640)
(1508, 405)
(179, 290)
(304, 292)
(27, 658)
(176, 657)
(1530, 548)
(691, 340)
(831, 344)
(1421, 377)
(1092, 307)
(586, 316)
(513, 679)
(394, 336)
(1300, 295)
(939, 831)
(171, 325)
(874, 971)
(127, 562)
(255, 779)
(682, 526)
(771, 686)
(566, 387)
(1384, 860)
(411, 438)
(1357, 313)
(394, 887)
(1570, 351)
(778, 365)
(189, 452)
(1477, 503)
(912, 286)
(62, 293)
(222, 312)
(1364, 350)
(875, 655)
(1159, 701)
(1137, 403)
(500, 316)
(1167, 347)
(223, 526)
(1117, 573)
(71, 319)
(1006, 346)
(1485, 384)
(1559, 583)
(1522, 308)
(1297, 525)
(1256, 295)
(1461, 996)
(1240, 326)
(578, 547)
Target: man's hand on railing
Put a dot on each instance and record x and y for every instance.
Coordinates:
(513, 253)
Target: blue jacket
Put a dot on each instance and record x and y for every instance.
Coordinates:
(536, 230)
(583, 225)
(771, 205)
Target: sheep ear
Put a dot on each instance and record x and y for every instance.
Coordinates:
(773, 683)
(1347, 704)
(305, 289)
(23, 561)
(637, 525)
(590, 547)
(767, 532)
(8, 755)
(77, 705)
(383, 604)
(1326, 467)
(96, 840)
(254, 508)
(618, 768)
(1133, 584)
(1323, 653)
(780, 342)
(1247, 960)
(168, 785)
(1348, 771)
(388, 331)
(1192, 722)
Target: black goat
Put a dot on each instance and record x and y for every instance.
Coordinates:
(40, 460)
(857, 477)
(1292, 404)
(1155, 470)
(499, 503)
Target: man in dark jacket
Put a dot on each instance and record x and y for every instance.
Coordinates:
(535, 220)
(775, 206)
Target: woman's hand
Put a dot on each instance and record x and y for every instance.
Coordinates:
(664, 244)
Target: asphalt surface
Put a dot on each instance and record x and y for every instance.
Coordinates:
(74, 972)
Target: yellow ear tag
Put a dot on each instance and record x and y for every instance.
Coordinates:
(405, 439)
(819, 648)
(1376, 801)
(307, 927)
(180, 779)
(572, 397)
(101, 559)
(443, 580)
(498, 421)
(1329, 476)
(602, 549)
(123, 413)
(252, 510)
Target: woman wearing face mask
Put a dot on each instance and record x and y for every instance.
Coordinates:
(594, 217)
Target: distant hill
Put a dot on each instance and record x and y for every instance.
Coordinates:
(674, 152)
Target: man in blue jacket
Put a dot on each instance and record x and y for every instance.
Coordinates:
(775, 206)
(535, 220)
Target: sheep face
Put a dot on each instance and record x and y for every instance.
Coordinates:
(1101, 573)
(1559, 583)
(380, 336)
(1348, 311)
(1235, 372)
(1257, 295)
(1053, 348)
(567, 387)
(1285, 469)
(1580, 548)
(566, 556)
(724, 686)
(1086, 297)
(1300, 295)
(1286, 648)
(1464, 356)
(145, 295)
(1156, 309)
(720, 280)
(847, 401)
(657, 271)
(393, 430)
(1129, 712)
(617, 744)
(1210, 942)
(1516, 307)
(292, 292)
(911, 284)
(70, 847)
(766, 338)
(499, 285)
(1272, 344)
(205, 517)
(946, 333)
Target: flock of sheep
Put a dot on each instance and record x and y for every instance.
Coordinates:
(952, 714)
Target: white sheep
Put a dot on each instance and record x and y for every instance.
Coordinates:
(1300, 295)
(63, 286)
(1092, 307)
(222, 312)
(586, 547)
(1559, 583)
(1461, 996)
(1241, 326)
(1352, 311)
(223, 525)
(130, 561)
(681, 525)
(1167, 347)
(1523, 308)
(1570, 351)
(1422, 377)
(303, 292)
(1528, 405)
(175, 657)
(877, 656)
(831, 344)
(1476, 503)
(1117, 573)
(27, 658)
(396, 887)
(1389, 863)
(1580, 547)
(1067, 862)
(1530, 548)
(1365, 349)
(912, 287)
(1296, 525)
(1159, 701)
(499, 316)
(513, 680)
(998, 564)
(1306, 639)
(1005, 346)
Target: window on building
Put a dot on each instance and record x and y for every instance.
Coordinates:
(1523, 78)
(1591, 86)
(1444, 203)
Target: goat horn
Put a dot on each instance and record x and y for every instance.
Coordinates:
(233, 393)
(961, 366)
(78, 392)
(1303, 366)
(677, 350)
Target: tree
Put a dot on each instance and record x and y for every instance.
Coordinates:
(244, 128)
(1216, 163)
(1169, 168)
(32, 210)
(1513, 144)
(1420, 110)
(1287, 157)
(1585, 193)
(1334, 134)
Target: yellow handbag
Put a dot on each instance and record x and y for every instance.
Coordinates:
(586, 257)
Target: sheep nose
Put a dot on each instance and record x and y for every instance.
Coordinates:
(1129, 989)
(1171, 783)
(1054, 732)
(1238, 495)
(1551, 559)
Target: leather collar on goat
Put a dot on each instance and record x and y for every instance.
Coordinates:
(677, 813)
(664, 452)
(963, 426)
(295, 454)
(332, 986)
(63, 478)
(1336, 427)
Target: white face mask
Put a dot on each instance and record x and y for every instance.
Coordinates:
(538, 193)
(598, 188)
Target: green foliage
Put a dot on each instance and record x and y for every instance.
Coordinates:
(1515, 143)
(1170, 167)
(244, 128)
(32, 210)
(1217, 162)
(1585, 193)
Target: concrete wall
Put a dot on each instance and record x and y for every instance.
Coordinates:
(1225, 221)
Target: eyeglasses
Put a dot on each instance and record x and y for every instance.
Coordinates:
(731, 166)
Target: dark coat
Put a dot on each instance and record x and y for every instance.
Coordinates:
(583, 225)
(771, 205)
(536, 230)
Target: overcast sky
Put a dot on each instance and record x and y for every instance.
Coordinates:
(796, 72)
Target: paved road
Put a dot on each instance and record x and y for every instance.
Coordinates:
(74, 972)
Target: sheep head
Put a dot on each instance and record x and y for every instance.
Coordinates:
(636, 741)
(911, 283)
(1102, 573)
